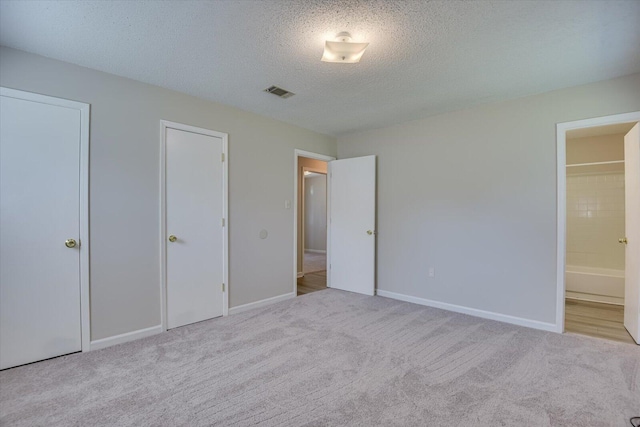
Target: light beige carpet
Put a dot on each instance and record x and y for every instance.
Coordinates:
(334, 358)
(314, 261)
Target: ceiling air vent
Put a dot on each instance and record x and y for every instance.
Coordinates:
(282, 93)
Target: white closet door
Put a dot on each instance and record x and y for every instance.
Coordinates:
(194, 229)
(352, 219)
(39, 211)
(632, 225)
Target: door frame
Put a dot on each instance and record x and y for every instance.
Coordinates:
(83, 235)
(561, 201)
(164, 125)
(302, 153)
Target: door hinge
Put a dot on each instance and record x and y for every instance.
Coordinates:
(223, 222)
(223, 157)
(223, 287)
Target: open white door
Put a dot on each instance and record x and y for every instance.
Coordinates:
(352, 216)
(632, 225)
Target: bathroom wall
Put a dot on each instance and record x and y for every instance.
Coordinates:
(595, 202)
(590, 149)
(315, 213)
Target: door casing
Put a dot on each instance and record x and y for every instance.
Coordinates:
(164, 125)
(561, 201)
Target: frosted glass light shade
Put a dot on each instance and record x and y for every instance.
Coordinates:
(343, 50)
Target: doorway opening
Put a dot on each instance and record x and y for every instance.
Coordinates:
(598, 291)
(311, 219)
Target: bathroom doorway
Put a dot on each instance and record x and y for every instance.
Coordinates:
(593, 229)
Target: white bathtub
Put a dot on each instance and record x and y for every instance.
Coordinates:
(595, 284)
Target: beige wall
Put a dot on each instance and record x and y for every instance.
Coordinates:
(473, 194)
(591, 149)
(312, 165)
(124, 187)
(595, 202)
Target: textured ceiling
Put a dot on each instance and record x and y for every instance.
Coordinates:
(424, 57)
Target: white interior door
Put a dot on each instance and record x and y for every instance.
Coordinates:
(632, 225)
(194, 228)
(39, 210)
(352, 216)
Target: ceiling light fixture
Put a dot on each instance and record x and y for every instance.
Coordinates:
(343, 50)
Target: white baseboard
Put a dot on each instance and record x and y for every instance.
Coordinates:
(129, 336)
(261, 303)
(300, 274)
(604, 299)
(535, 324)
(317, 251)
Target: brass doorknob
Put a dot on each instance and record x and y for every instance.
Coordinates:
(623, 240)
(172, 238)
(70, 243)
(370, 232)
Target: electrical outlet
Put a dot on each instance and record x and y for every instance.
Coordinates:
(287, 204)
(432, 272)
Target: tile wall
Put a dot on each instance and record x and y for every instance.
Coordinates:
(595, 219)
